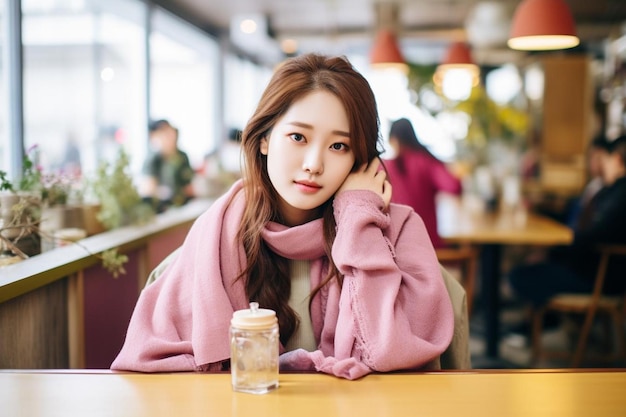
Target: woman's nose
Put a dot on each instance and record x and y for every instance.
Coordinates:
(313, 161)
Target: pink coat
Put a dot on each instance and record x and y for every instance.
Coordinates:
(418, 187)
(393, 311)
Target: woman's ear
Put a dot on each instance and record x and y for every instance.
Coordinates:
(264, 145)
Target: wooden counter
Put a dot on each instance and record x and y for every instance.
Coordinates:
(498, 393)
(61, 309)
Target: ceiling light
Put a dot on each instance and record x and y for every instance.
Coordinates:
(457, 84)
(385, 52)
(289, 46)
(250, 32)
(248, 26)
(541, 25)
(458, 57)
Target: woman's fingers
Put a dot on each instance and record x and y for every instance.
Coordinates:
(369, 177)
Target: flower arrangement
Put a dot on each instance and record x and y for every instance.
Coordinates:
(20, 210)
(54, 188)
(57, 187)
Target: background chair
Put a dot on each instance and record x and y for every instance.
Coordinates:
(158, 270)
(588, 305)
(466, 258)
(457, 355)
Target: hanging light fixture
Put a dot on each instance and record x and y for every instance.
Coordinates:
(457, 73)
(458, 57)
(542, 25)
(385, 52)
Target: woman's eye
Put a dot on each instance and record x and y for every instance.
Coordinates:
(297, 137)
(339, 147)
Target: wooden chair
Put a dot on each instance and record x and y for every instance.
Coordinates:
(465, 256)
(588, 305)
(457, 355)
(158, 270)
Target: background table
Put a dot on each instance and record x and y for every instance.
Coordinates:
(491, 230)
(495, 393)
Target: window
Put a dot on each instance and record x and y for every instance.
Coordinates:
(5, 160)
(184, 84)
(244, 83)
(84, 81)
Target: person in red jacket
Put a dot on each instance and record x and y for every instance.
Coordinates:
(417, 176)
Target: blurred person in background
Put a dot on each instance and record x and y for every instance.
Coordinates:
(578, 207)
(418, 176)
(572, 268)
(168, 175)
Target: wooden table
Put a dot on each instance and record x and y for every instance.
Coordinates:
(461, 223)
(495, 393)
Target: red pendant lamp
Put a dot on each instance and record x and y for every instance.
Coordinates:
(458, 56)
(541, 25)
(385, 52)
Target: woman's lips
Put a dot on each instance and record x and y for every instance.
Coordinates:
(308, 186)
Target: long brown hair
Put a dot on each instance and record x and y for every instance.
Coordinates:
(402, 130)
(267, 279)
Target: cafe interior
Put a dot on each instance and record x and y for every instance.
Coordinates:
(508, 94)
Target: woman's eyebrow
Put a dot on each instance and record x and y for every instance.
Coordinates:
(301, 124)
(308, 126)
(341, 133)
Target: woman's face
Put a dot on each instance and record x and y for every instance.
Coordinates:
(308, 155)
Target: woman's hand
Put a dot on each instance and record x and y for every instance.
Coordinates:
(369, 177)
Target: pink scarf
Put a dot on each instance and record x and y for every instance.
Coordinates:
(181, 322)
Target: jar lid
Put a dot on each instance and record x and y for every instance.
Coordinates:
(254, 318)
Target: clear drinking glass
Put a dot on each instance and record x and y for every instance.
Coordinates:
(254, 353)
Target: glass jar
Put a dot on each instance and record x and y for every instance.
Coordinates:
(254, 345)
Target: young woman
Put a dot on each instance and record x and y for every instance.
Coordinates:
(417, 176)
(308, 232)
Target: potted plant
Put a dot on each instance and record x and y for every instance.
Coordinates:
(20, 214)
(20, 209)
(62, 202)
(113, 189)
